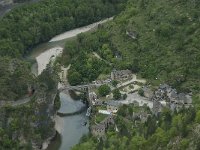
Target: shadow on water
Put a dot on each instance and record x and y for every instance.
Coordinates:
(55, 143)
(72, 113)
(71, 123)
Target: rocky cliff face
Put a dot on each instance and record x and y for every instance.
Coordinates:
(28, 125)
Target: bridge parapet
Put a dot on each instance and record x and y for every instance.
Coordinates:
(79, 87)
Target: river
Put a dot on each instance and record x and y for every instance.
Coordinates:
(70, 128)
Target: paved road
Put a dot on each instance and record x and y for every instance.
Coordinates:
(15, 103)
(135, 97)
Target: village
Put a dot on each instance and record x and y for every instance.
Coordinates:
(130, 91)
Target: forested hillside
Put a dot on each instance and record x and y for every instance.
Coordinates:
(26, 26)
(158, 39)
(15, 78)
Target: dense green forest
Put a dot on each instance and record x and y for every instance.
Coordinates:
(28, 25)
(157, 39)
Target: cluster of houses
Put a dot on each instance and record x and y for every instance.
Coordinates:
(166, 96)
(111, 105)
(111, 108)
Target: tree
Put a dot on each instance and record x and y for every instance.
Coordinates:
(104, 90)
(116, 94)
(74, 78)
(197, 119)
(124, 96)
(114, 83)
(137, 142)
(141, 92)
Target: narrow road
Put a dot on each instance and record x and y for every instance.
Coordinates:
(21, 102)
(99, 57)
(15, 103)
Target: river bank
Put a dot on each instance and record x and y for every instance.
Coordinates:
(75, 32)
(72, 127)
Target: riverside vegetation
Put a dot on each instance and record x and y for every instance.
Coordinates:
(29, 125)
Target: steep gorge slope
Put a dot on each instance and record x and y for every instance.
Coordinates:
(166, 45)
(159, 39)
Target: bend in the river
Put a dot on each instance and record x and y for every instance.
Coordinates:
(72, 127)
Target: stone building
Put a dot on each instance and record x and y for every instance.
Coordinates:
(112, 106)
(165, 94)
(147, 92)
(93, 97)
(100, 129)
(121, 75)
(157, 107)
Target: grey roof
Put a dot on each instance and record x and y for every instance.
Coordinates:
(182, 96)
(172, 106)
(121, 72)
(189, 99)
(113, 103)
(174, 94)
(163, 86)
(185, 98)
(98, 127)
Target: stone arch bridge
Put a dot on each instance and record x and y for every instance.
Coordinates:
(80, 88)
